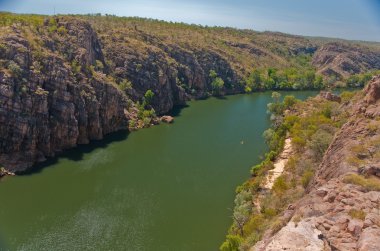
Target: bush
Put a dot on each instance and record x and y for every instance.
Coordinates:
(357, 214)
(269, 212)
(319, 143)
(99, 65)
(255, 226)
(306, 178)
(347, 96)
(15, 69)
(232, 243)
(217, 83)
(289, 101)
(280, 186)
(62, 30)
(75, 67)
(370, 184)
(125, 85)
(148, 96)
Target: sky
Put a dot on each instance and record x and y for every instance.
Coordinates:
(348, 19)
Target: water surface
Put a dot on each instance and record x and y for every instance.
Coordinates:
(169, 187)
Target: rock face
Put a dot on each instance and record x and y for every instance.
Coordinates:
(70, 79)
(296, 237)
(343, 214)
(342, 60)
(45, 107)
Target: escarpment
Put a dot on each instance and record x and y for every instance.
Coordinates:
(67, 80)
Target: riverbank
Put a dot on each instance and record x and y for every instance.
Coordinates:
(266, 202)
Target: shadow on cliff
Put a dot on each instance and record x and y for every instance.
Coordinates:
(77, 153)
(176, 111)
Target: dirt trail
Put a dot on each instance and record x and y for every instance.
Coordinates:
(279, 164)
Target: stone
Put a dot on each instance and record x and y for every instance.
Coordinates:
(303, 237)
(369, 240)
(167, 119)
(355, 227)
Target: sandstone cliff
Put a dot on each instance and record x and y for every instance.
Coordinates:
(66, 80)
(45, 106)
(341, 208)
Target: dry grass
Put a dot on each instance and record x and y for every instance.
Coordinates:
(370, 184)
(357, 214)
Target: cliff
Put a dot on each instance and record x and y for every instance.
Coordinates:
(340, 208)
(66, 80)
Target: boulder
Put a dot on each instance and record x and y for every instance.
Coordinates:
(167, 119)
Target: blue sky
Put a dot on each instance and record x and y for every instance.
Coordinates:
(350, 19)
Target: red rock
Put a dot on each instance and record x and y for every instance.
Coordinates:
(167, 119)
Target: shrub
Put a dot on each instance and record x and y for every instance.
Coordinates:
(52, 25)
(319, 143)
(62, 30)
(357, 214)
(147, 121)
(75, 67)
(125, 85)
(148, 96)
(232, 243)
(370, 184)
(217, 83)
(280, 185)
(99, 65)
(255, 226)
(347, 96)
(289, 101)
(15, 69)
(269, 212)
(306, 177)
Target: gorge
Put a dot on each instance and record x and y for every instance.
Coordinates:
(74, 88)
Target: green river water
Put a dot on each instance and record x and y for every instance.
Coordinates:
(169, 187)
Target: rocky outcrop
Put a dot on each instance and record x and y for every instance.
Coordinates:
(167, 119)
(343, 60)
(341, 210)
(330, 96)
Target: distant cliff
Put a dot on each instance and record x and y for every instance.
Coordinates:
(66, 80)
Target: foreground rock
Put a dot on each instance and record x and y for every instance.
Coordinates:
(341, 210)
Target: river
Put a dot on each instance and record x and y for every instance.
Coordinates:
(169, 187)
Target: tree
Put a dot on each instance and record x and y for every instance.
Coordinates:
(289, 101)
(254, 81)
(318, 82)
(148, 96)
(276, 97)
(242, 210)
(217, 83)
